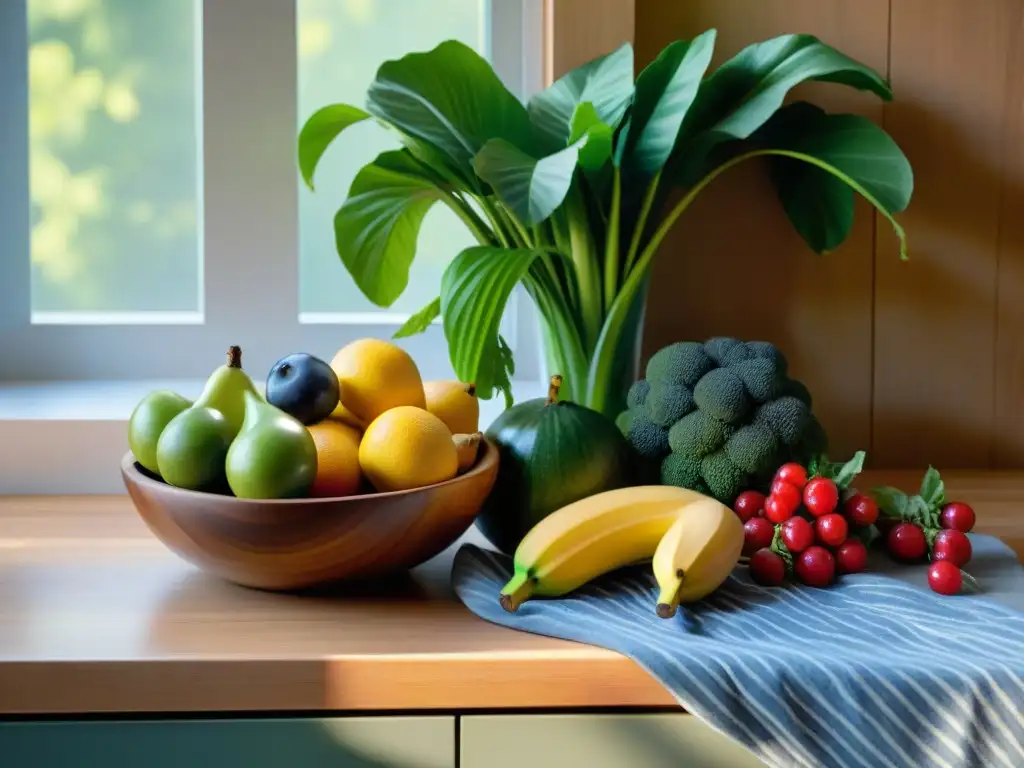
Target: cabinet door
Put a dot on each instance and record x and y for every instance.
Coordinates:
(345, 742)
(598, 741)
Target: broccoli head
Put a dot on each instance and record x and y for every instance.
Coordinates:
(720, 416)
(648, 439)
(698, 434)
(637, 394)
(667, 404)
(721, 394)
(682, 363)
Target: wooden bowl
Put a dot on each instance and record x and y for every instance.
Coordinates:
(296, 543)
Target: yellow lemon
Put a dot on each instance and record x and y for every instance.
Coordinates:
(337, 454)
(375, 376)
(454, 403)
(407, 447)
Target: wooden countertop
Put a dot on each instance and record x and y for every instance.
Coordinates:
(96, 616)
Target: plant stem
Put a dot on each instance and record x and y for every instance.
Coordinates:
(667, 223)
(611, 245)
(504, 240)
(604, 358)
(562, 343)
(641, 222)
(462, 209)
(584, 257)
(516, 225)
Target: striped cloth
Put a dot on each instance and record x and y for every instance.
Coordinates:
(874, 671)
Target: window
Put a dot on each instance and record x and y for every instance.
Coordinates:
(151, 206)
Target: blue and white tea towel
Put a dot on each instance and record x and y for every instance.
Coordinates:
(874, 671)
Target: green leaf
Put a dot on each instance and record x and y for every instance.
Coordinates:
(474, 291)
(319, 131)
(818, 204)
(746, 91)
(866, 533)
(606, 82)
(917, 510)
(377, 226)
(851, 149)
(664, 92)
(845, 473)
(532, 188)
(597, 147)
(419, 322)
(933, 489)
(892, 502)
(778, 546)
(451, 99)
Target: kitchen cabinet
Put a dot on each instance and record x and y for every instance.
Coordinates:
(342, 742)
(597, 741)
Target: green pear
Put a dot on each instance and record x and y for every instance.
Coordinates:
(153, 413)
(273, 456)
(192, 449)
(225, 389)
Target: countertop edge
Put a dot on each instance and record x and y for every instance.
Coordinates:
(193, 686)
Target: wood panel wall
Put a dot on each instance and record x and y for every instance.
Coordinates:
(921, 361)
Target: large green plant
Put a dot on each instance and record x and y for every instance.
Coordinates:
(570, 194)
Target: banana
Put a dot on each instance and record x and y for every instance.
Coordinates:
(590, 537)
(696, 554)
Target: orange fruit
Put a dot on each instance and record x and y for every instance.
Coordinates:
(337, 456)
(375, 376)
(407, 447)
(455, 404)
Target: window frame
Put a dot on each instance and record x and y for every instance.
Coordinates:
(249, 216)
(62, 429)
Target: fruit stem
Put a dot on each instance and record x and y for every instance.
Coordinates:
(553, 387)
(668, 600)
(471, 390)
(517, 591)
(234, 357)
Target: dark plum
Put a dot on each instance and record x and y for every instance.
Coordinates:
(303, 386)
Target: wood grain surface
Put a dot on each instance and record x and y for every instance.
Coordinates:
(299, 543)
(917, 361)
(98, 616)
(734, 265)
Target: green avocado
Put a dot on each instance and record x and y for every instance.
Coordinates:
(192, 449)
(153, 413)
(273, 457)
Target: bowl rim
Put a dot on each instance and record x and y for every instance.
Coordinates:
(130, 469)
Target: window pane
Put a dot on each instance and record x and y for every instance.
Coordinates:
(341, 44)
(114, 151)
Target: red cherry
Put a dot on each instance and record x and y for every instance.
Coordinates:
(781, 505)
(906, 542)
(958, 516)
(757, 534)
(748, 504)
(945, 578)
(861, 509)
(831, 529)
(821, 496)
(767, 567)
(792, 473)
(797, 534)
(952, 545)
(852, 556)
(815, 567)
